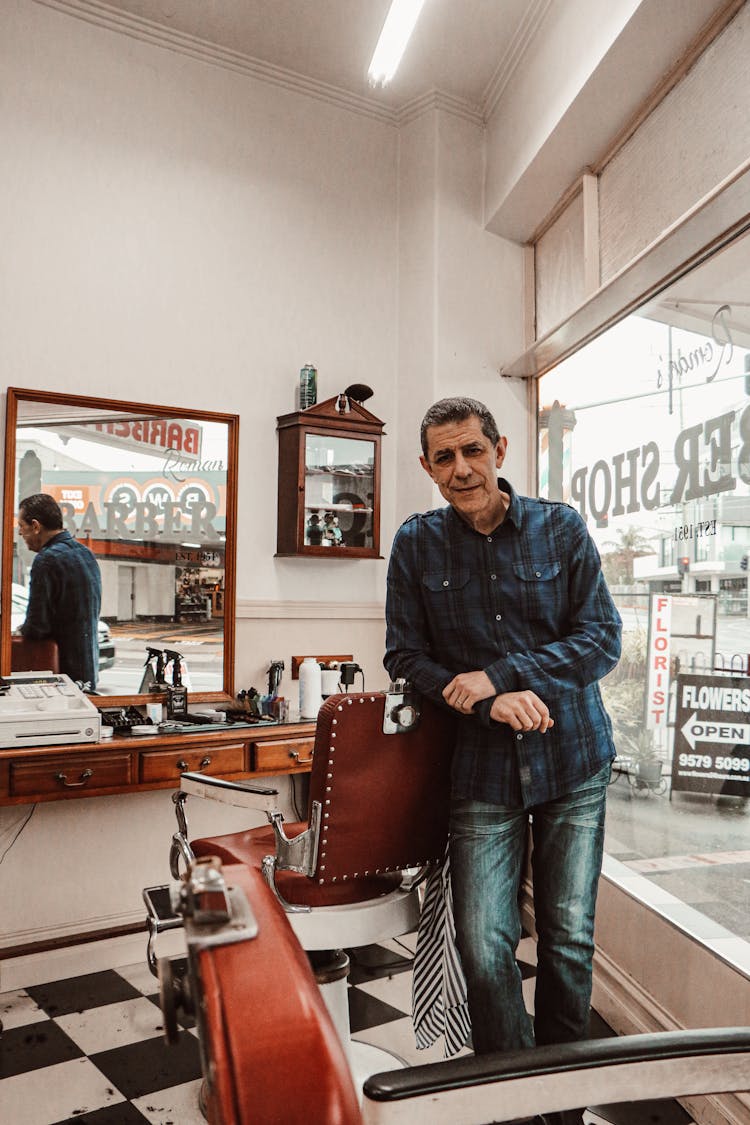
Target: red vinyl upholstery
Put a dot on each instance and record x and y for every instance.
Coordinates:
(33, 656)
(273, 1054)
(384, 797)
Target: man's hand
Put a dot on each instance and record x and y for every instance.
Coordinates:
(466, 689)
(522, 710)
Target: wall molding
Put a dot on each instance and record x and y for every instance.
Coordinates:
(438, 99)
(149, 31)
(250, 609)
(18, 943)
(100, 14)
(517, 48)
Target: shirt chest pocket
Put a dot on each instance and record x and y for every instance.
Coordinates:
(448, 599)
(539, 585)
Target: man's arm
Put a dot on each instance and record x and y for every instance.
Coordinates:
(590, 646)
(407, 638)
(38, 623)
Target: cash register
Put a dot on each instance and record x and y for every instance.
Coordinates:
(45, 709)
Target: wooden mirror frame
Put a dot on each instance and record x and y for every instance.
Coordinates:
(17, 395)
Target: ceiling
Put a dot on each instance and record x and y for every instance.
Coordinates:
(466, 49)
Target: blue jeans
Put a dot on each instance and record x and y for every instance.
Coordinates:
(488, 846)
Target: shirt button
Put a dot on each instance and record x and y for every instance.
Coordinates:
(489, 538)
(493, 577)
(519, 736)
(446, 582)
(538, 573)
(498, 617)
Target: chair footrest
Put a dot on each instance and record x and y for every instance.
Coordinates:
(159, 908)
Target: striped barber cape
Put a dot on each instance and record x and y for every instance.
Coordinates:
(439, 1001)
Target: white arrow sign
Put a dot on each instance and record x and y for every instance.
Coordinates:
(727, 734)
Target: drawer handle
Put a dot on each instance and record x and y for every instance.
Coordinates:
(300, 761)
(63, 779)
(182, 765)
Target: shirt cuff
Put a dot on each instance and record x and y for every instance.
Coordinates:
(482, 711)
(502, 675)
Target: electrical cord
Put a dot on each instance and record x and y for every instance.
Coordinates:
(295, 803)
(18, 833)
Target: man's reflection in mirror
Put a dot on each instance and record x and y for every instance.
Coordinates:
(65, 592)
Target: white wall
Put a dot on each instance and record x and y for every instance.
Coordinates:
(175, 232)
(460, 309)
(181, 233)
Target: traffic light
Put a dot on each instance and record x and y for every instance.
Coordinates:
(683, 565)
(744, 562)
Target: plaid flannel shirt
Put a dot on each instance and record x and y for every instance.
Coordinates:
(527, 604)
(64, 603)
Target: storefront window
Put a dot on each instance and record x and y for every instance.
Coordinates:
(646, 432)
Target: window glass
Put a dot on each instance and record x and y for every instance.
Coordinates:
(646, 432)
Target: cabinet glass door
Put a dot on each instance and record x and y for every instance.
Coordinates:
(339, 491)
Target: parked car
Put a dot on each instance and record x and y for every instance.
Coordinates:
(19, 602)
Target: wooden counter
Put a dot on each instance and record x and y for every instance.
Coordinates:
(134, 764)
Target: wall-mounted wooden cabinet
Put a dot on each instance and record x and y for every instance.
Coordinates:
(329, 481)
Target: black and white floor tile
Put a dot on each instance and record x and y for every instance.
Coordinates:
(89, 1050)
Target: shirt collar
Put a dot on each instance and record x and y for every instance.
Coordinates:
(513, 515)
(63, 534)
(515, 508)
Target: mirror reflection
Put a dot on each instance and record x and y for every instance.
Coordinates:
(146, 492)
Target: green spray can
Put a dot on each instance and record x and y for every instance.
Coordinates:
(308, 386)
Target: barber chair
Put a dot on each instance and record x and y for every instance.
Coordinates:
(378, 815)
(32, 656)
(270, 1053)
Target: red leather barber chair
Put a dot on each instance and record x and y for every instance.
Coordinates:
(378, 809)
(271, 1056)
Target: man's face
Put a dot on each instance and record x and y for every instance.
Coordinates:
(464, 463)
(31, 533)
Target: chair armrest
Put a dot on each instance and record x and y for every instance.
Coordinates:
(243, 794)
(596, 1072)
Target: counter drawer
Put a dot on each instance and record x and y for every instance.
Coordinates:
(283, 754)
(69, 773)
(167, 765)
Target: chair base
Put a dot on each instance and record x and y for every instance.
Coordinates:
(365, 1060)
(357, 924)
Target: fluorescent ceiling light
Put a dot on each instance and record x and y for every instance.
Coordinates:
(397, 29)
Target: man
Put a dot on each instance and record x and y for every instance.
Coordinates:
(66, 589)
(497, 608)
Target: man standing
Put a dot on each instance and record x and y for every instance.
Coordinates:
(497, 608)
(66, 589)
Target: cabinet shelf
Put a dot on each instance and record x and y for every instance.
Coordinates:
(338, 508)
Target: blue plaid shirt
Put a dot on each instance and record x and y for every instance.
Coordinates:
(529, 605)
(65, 598)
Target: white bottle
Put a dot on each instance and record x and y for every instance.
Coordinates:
(310, 697)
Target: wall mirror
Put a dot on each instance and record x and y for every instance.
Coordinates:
(152, 491)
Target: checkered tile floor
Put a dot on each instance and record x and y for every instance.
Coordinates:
(89, 1050)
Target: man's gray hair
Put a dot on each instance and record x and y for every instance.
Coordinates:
(458, 410)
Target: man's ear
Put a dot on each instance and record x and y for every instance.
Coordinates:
(426, 466)
(500, 450)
